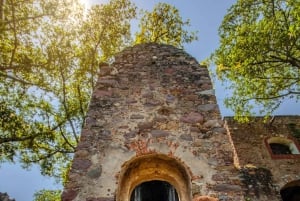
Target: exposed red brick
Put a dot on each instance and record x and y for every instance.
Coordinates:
(204, 198)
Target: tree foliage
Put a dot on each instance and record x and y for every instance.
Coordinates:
(164, 25)
(50, 51)
(259, 54)
(49, 61)
(47, 195)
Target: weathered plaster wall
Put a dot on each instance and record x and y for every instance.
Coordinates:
(251, 152)
(156, 101)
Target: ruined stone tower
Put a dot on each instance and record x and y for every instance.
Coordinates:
(154, 132)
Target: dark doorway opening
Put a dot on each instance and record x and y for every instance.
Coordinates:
(154, 191)
(290, 193)
(280, 148)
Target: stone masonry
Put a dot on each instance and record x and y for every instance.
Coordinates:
(153, 116)
(263, 173)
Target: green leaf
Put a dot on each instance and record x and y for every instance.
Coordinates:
(259, 54)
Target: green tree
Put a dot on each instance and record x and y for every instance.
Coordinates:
(259, 54)
(31, 127)
(47, 195)
(104, 32)
(49, 59)
(164, 25)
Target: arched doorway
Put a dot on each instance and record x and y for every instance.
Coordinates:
(154, 173)
(291, 191)
(154, 190)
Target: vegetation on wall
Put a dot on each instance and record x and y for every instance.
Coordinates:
(259, 55)
(295, 130)
(257, 181)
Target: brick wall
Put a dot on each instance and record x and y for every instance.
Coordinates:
(254, 157)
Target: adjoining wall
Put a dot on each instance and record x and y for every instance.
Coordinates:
(156, 104)
(265, 172)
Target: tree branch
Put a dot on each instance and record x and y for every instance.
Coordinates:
(50, 155)
(272, 97)
(18, 139)
(66, 140)
(15, 79)
(25, 18)
(15, 36)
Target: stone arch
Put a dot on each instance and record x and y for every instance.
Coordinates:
(291, 191)
(152, 167)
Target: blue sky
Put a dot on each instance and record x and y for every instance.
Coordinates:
(205, 16)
